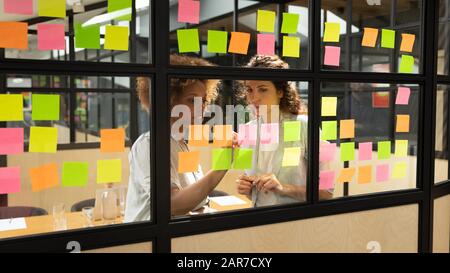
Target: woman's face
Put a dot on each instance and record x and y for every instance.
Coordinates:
(190, 92)
(262, 93)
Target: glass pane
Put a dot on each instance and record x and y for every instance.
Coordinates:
(443, 43)
(442, 138)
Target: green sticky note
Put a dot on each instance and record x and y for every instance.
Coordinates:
(329, 130)
(384, 150)
(52, 8)
(116, 38)
(266, 21)
(332, 32)
(347, 151)
(217, 41)
(45, 107)
(292, 131)
(401, 148)
(221, 159)
(399, 170)
(388, 38)
(109, 171)
(75, 174)
(87, 37)
(406, 64)
(188, 40)
(115, 5)
(243, 159)
(291, 157)
(291, 46)
(43, 139)
(11, 107)
(290, 23)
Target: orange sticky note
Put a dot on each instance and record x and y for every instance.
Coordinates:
(407, 42)
(347, 129)
(188, 161)
(364, 174)
(44, 177)
(239, 43)
(223, 135)
(112, 140)
(346, 175)
(14, 35)
(402, 124)
(370, 37)
(198, 135)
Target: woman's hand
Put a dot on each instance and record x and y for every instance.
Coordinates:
(244, 185)
(268, 182)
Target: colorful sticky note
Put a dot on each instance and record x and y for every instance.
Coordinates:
(380, 99)
(326, 180)
(407, 42)
(403, 94)
(112, 140)
(44, 177)
(188, 161)
(266, 21)
(24, 7)
(382, 173)
(347, 128)
(45, 107)
(291, 46)
(198, 135)
(52, 8)
(291, 157)
(11, 141)
(239, 43)
(290, 23)
(51, 37)
(401, 148)
(370, 37)
(217, 41)
(332, 56)
(75, 174)
(247, 134)
(329, 130)
(406, 64)
(365, 151)
(270, 133)
(329, 105)
(221, 159)
(223, 135)
(9, 180)
(332, 32)
(11, 107)
(243, 159)
(346, 175)
(43, 139)
(327, 152)
(14, 35)
(88, 36)
(402, 124)
(347, 151)
(387, 38)
(188, 11)
(115, 5)
(364, 174)
(384, 149)
(291, 130)
(399, 170)
(116, 38)
(266, 44)
(109, 171)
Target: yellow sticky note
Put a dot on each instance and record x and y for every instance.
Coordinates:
(109, 171)
(402, 124)
(370, 37)
(399, 171)
(43, 139)
(347, 128)
(291, 46)
(266, 21)
(346, 175)
(291, 157)
(11, 107)
(329, 105)
(401, 148)
(332, 32)
(116, 38)
(52, 8)
(407, 42)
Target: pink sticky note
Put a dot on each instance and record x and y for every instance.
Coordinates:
(382, 173)
(327, 152)
(365, 151)
(24, 7)
(9, 180)
(11, 141)
(247, 134)
(51, 36)
(266, 44)
(327, 180)
(188, 11)
(403, 94)
(332, 55)
(270, 133)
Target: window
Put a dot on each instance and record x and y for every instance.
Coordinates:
(442, 138)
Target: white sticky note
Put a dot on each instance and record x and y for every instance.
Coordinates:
(229, 200)
(13, 224)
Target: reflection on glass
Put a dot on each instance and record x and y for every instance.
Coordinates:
(442, 138)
